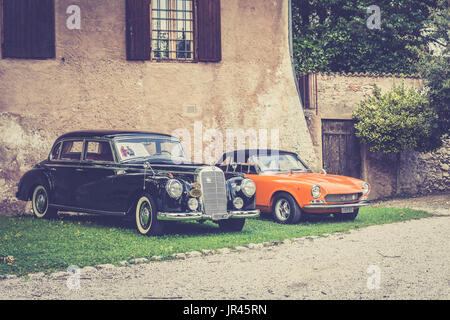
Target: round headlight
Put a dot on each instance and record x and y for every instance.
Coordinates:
(238, 203)
(365, 188)
(316, 191)
(193, 204)
(248, 187)
(174, 188)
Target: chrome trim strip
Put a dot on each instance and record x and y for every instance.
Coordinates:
(336, 206)
(186, 216)
(90, 211)
(244, 214)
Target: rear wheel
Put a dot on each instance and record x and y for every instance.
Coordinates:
(286, 210)
(346, 216)
(40, 204)
(231, 225)
(146, 217)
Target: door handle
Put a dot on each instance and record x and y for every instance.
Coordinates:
(79, 169)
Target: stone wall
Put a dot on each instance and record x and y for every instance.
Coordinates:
(91, 85)
(422, 173)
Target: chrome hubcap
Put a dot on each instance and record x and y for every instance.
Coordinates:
(41, 202)
(282, 210)
(144, 215)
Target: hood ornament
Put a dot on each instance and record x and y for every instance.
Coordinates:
(147, 166)
(322, 171)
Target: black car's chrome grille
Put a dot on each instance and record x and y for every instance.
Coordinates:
(214, 194)
(343, 197)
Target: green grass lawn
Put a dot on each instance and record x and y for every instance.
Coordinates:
(49, 245)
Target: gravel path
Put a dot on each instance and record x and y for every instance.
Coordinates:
(412, 260)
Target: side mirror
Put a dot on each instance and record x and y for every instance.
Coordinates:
(322, 171)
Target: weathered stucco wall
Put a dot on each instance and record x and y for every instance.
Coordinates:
(90, 85)
(337, 97)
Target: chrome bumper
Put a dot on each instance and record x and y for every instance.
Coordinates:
(336, 206)
(192, 216)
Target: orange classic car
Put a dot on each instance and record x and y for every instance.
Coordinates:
(287, 188)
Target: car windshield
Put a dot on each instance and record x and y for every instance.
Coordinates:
(153, 149)
(279, 163)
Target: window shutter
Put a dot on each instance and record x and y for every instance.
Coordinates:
(29, 29)
(138, 29)
(209, 31)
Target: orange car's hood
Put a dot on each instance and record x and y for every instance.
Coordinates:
(332, 184)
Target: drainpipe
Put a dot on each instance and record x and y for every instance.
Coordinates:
(291, 49)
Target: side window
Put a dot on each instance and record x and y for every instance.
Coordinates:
(55, 152)
(71, 150)
(99, 151)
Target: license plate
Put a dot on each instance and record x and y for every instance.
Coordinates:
(347, 210)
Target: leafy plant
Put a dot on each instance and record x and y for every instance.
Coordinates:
(398, 120)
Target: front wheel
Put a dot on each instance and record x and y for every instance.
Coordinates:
(286, 210)
(232, 225)
(146, 217)
(40, 204)
(346, 216)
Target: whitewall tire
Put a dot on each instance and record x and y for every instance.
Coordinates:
(40, 203)
(146, 217)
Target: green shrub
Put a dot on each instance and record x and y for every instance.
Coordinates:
(398, 120)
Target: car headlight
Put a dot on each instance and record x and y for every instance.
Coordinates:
(365, 188)
(316, 191)
(248, 187)
(238, 203)
(174, 188)
(193, 204)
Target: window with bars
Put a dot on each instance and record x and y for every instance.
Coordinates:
(172, 29)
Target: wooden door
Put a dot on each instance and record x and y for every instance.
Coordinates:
(340, 148)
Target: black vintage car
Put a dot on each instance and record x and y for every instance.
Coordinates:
(140, 175)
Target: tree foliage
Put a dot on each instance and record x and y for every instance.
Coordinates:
(433, 67)
(398, 120)
(332, 35)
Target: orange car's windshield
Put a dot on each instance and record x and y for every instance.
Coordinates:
(279, 163)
